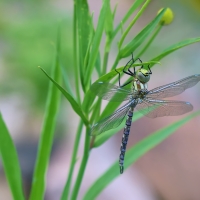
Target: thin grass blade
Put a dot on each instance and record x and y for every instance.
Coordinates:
(109, 21)
(98, 64)
(10, 162)
(176, 47)
(135, 5)
(66, 81)
(47, 135)
(83, 21)
(71, 100)
(96, 42)
(140, 38)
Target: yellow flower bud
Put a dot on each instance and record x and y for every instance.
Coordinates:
(167, 18)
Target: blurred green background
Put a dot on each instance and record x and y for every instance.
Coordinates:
(28, 31)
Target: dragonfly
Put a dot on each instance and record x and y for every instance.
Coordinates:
(150, 103)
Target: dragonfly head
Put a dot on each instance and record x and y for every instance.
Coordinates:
(143, 75)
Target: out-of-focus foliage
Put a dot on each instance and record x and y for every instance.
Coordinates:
(27, 37)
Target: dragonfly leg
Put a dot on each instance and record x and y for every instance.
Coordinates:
(150, 72)
(129, 72)
(140, 62)
(133, 73)
(133, 61)
(126, 83)
(120, 78)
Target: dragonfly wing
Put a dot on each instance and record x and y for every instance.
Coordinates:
(110, 122)
(174, 88)
(110, 92)
(158, 108)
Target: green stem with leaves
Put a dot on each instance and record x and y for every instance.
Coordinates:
(76, 69)
(132, 23)
(150, 41)
(82, 166)
(65, 194)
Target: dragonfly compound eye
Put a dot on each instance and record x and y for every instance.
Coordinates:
(143, 75)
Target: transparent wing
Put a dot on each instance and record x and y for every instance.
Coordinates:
(158, 108)
(174, 88)
(110, 122)
(110, 92)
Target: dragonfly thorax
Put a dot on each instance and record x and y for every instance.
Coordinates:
(143, 75)
(137, 85)
(139, 90)
(142, 93)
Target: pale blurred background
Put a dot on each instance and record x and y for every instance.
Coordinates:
(170, 171)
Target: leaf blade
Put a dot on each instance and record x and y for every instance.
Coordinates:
(10, 162)
(96, 42)
(47, 134)
(71, 100)
(135, 5)
(83, 21)
(140, 37)
(176, 47)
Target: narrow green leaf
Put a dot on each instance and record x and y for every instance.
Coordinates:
(98, 64)
(83, 21)
(108, 31)
(81, 170)
(150, 40)
(47, 135)
(71, 100)
(66, 81)
(139, 39)
(134, 6)
(88, 101)
(109, 21)
(176, 47)
(134, 154)
(133, 21)
(66, 190)
(10, 162)
(96, 42)
(77, 72)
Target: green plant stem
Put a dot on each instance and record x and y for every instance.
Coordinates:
(150, 40)
(106, 53)
(46, 137)
(133, 22)
(96, 111)
(82, 166)
(126, 17)
(105, 61)
(94, 117)
(116, 62)
(76, 70)
(65, 194)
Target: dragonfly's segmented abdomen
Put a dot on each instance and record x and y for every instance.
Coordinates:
(125, 139)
